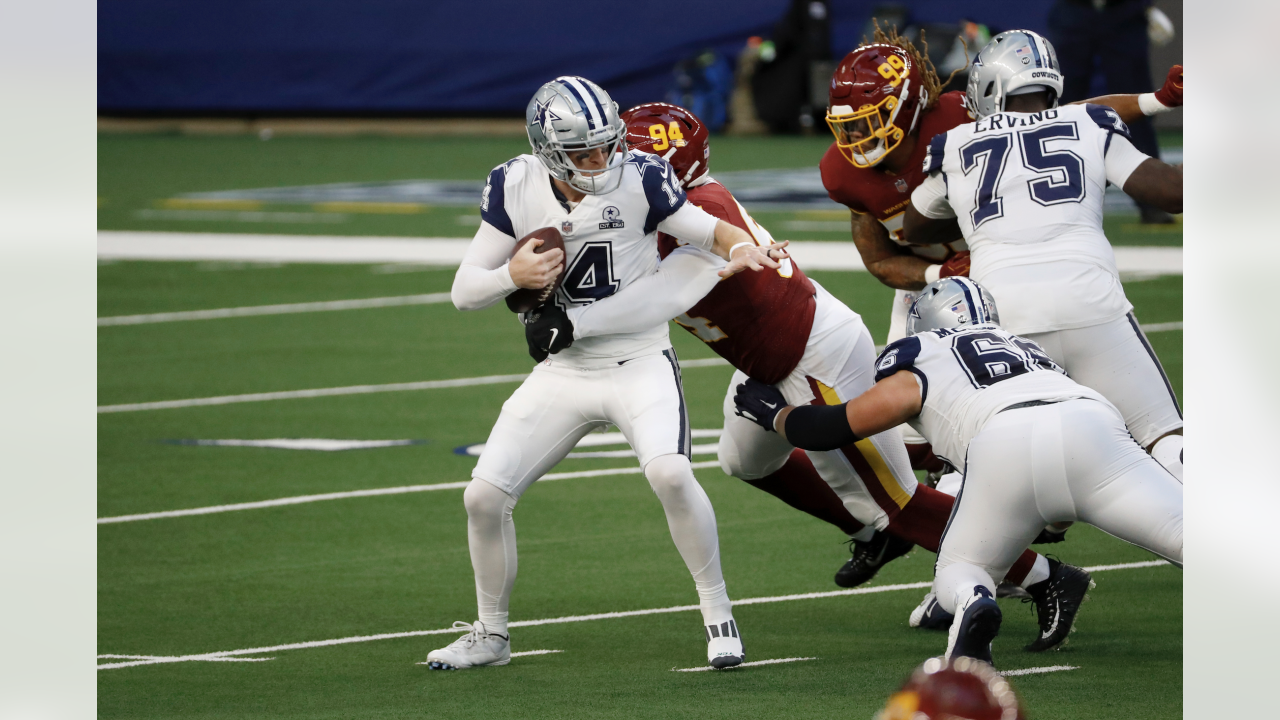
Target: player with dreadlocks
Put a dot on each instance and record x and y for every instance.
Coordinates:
(885, 104)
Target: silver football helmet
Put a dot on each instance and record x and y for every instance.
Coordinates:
(1013, 63)
(571, 114)
(949, 303)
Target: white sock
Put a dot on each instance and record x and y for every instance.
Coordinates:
(864, 535)
(950, 483)
(1039, 572)
(1168, 452)
(491, 536)
(692, 523)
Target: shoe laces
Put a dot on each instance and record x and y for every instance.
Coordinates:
(473, 636)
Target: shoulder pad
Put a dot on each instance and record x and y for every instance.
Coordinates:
(661, 188)
(1108, 120)
(933, 156)
(493, 208)
(899, 355)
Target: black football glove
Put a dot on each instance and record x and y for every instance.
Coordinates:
(548, 330)
(759, 403)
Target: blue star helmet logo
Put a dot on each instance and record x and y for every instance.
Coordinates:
(611, 213)
(544, 114)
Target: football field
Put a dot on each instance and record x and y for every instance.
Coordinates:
(281, 531)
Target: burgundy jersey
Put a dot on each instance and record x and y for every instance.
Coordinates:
(758, 321)
(885, 195)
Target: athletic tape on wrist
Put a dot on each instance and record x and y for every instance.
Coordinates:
(1149, 105)
(735, 247)
(932, 273)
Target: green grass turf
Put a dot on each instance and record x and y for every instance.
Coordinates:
(392, 564)
(140, 172)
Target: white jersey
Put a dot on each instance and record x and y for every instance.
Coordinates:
(610, 240)
(1027, 190)
(969, 374)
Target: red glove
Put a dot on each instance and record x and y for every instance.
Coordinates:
(1171, 94)
(957, 264)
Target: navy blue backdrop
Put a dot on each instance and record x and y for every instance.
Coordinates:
(420, 56)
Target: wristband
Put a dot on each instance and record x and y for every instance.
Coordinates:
(735, 247)
(932, 273)
(1149, 105)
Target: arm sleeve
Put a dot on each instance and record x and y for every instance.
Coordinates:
(693, 225)
(483, 278)
(682, 279)
(930, 198)
(1122, 158)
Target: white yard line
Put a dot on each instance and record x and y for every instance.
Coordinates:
(301, 499)
(429, 299)
(153, 660)
(351, 390)
(1038, 670)
(746, 664)
(811, 255)
(426, 385)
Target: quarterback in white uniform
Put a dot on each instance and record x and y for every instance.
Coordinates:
(608, 204)
(1025, 184)
(1036, 447)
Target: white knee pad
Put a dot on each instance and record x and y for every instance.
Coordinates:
(486, 503)
(669, 476)
(1168, 452)
(955, 583)
(734, 464)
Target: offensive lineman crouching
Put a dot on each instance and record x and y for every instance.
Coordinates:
(1036, 447)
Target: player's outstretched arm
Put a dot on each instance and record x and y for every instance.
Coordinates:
(683, 278)
(889, 403)
(1156, 183)
(1135, 107)
(889, 262)
(695, 226)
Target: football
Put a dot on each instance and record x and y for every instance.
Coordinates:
(524, 300)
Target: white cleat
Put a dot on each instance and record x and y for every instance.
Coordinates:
(478, 647)
(930, 615)
(724, 645)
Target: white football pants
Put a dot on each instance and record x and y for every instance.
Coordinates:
(873, 477)
(543, 420)
(1116, 359)
(1062, 462)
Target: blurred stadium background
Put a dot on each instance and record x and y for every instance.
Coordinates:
(258, 154)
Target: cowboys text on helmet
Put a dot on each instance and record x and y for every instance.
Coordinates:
(1013, 63)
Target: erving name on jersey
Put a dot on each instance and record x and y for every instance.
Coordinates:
(1004, 122)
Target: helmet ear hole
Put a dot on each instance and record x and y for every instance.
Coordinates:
(991, 87)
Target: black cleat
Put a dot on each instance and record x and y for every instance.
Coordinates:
(977, 623)
(1057, 601)
(869, 557)
(1049, 535)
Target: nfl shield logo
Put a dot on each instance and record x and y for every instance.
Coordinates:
(566, 227)
(901, 185)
